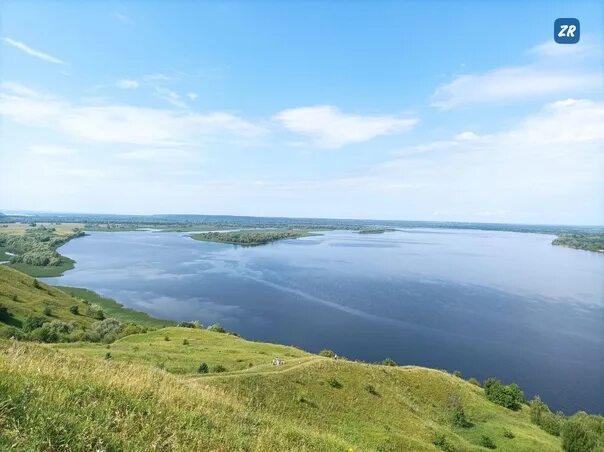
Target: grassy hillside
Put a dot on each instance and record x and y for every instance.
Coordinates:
(76, 397)
(23, 297)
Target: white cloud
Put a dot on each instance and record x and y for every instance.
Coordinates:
(327, 127)
(170, 96)
(192, 95)
(540, 170)
(46, 150)
(33, 52)
(123, 18)
(555, 71)
(127, 84)
(106, 123)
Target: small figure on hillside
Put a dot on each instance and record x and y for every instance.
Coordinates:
(278, 361)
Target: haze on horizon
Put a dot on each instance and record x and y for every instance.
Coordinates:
(303, 110)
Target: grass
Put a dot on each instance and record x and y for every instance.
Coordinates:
(112, 308)
(251, 237)
(23, 297)
(69, 396)
(45, 271)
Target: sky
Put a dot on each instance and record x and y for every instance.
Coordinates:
(427, 110)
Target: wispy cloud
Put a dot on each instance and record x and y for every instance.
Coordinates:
(543, 77)
(328, 127)
(33, 52)
(127, 84)
(126, 124)
(47, 150)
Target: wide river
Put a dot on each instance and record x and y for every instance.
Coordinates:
(500, 304)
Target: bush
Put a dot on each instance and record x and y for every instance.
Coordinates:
(217, 328)
(187, 325)
(4, 314)
(108, 355)
(55, 331)
(577, 437)
(327, 353)
(474, 381)
(486, 441)
(95, 312)
(166, 338)
(544, 418)
(508, 396)
(440, 441)
(218, 368)
(106, 330)
(459, 419)
(508, 434)
(457, 373)
(74, 310)
(389, 362)
(31, 323)
(203, 368)
(371, 390)
(185, 342)
(47, 311)
(334, 383)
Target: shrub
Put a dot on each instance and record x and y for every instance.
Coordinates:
(14, 298)
(389, 362)
(185, 342)
(161, 365)
(440, 441)
(508, 434)
(47, 311)
(577, 436)
(544, 418)
(95, 312)
(457, 373)
(459, 419)
(166, 338)
(106, 330)
(486, 441)
(474, 381)
(74, 310)
(334, 383)
(36, 284)
(55, 331)
(203, 368)
(4, 314)
(371, 390)
(187, 325)
(217, 328)
(31, 323)
(108, 355)
(509, 396)
(458, 415)
(218, 368)
(327, 353)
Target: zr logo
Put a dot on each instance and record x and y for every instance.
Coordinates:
(567, 31)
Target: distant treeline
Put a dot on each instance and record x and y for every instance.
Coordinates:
(188, 222)
(589, 242)
(250, 237)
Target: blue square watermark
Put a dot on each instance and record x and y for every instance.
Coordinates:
(567, 30)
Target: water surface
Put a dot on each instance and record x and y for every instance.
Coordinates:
(486, 303)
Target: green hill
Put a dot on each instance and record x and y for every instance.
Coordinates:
(188, 388)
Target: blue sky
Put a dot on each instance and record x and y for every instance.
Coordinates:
(433, 110)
